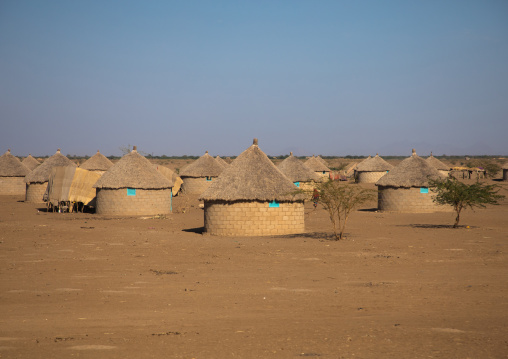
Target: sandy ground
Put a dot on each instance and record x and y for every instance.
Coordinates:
(400, 285)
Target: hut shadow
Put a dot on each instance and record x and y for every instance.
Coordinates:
(434, 226)
(368, 209)
(312, 235)
(198, 230)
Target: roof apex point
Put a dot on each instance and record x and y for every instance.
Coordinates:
(255, 142)
(414, 152)
(134, 148)
(58, 151)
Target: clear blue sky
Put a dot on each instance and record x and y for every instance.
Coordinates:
(313, 77)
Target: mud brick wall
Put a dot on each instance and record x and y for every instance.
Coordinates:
(35, 192)
(369, 177)
(408, 200)
(116, 202)
(195, 185)
(252, 218)
(12, 185)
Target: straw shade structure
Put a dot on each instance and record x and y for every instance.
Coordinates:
(12, 175)
(132, 186)
(37, 180)
(253, 198)
(198, 175)
(318, 166)
(372, 169)
(30, 162)
(301, 175)
(172, 176)
(405, 187)
(437, 164)
(97, 163)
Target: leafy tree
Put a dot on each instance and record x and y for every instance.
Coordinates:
(461, 196)
(339, 199)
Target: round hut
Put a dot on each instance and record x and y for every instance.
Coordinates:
(505, 172)
(317, 165)
(301, 175)
(131, 187)
(253, 198)
(198, 175)
(30, 162)
(97, 163)
(372, 169)
(37, 180)
(406, 188)
(12, 175)
(437, 164)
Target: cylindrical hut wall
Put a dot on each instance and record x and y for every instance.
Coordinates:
(12, 185)
(133, 202)
(408, 200)
(505, 174)
(369, 177)
(35, 192)
(253, 218)
(196, 185)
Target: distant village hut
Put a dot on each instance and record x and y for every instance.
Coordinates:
(97, 163)
(253, 198)
(437, 164)
(198, 175)
(222, 162)
(37, 180)
(132, 186)
(12, 175)
(30, 162)
(301, 175)
(372, 169)
(505, 172)
(317, 165)
(406, 187)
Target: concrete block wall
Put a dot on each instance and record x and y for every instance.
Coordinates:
(35, 192)
(408, 200)
(253, 218)
(369, 177)
(195, 185)
(116, 202)
(12, 185)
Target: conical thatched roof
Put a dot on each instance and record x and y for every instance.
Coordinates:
(251, 176)
(30, 162)
(97, 162)
(133, 171)
(296, 171)
(41, 174)
(374, 164)
(320, 159)
(433, 161)
(411, 172)
(204, 166)
(316, 165)
(221, 162)
(11, 166)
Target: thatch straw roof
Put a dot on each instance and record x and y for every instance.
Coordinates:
(433, 161)
(374, 164)
(316, 165)
(320, 159)
(296, 171)
(204, 166)
(97, 162)
(221, 162)
(30, 162)
(11, 166)
(133, 171)
(411, 172)
(252, 177)
(41, 174)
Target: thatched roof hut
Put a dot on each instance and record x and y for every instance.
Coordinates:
(198, 175)
(38, 178)
(437, 164)
(97, 162)
(296, 171)
(252, 187)
(372, 169)
(30, 162)
(405, 187)
(133, 186)
(221, 161)
(505, 171)
(318, 166)
(12, 175)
